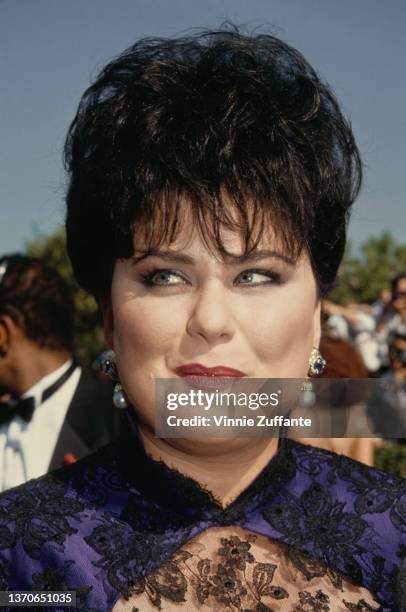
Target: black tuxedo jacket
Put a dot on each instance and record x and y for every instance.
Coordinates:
(92, 421)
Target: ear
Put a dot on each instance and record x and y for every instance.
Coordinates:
(317, 324)
(9, 331)
(108, 321)
(3, 338)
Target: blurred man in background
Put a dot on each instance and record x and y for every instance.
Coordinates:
(387, 406)
(397, 318)
(51, 412)
(391, 321)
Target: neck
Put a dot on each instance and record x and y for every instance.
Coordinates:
(38, 364)
(224, 467)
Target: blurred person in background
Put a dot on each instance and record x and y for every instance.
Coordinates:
(51, 412)
(399, 295)
(382, 304)
(393, 314)
(397, 355)
(390, 318)
(355, 323)
(380, 309)
(387, 406)
(344, 361)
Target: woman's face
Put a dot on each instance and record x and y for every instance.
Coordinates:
(182, 305)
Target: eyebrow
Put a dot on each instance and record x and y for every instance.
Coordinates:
(174, 257)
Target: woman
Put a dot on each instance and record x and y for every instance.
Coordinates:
(210, 184)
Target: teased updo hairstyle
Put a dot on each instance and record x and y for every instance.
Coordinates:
(197, 118)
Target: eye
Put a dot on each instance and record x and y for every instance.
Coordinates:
(160, 278)
(258, 277)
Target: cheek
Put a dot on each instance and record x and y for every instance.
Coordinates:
(143, 332)
(282, 337)
(143, 337)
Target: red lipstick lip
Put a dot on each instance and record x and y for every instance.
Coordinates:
(196, 369)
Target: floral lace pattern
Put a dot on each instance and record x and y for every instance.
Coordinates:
(229, 569)
(114, 518)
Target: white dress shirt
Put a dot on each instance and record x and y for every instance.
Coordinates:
(26, 449)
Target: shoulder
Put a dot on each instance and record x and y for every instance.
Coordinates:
(44, 524)
(358, 515)
(55, 491)
(366, 491)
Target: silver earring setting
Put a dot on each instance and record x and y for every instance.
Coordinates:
(109, 367)
(317, 363)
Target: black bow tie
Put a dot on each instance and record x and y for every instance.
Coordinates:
(23, 408)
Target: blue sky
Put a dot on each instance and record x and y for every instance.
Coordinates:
(50, 49)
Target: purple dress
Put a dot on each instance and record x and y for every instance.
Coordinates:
(100, 525)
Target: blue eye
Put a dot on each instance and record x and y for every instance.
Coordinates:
(162, 278)
(258, 277)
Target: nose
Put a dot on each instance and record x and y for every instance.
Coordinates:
(211, 317)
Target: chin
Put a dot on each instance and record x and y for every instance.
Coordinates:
(203, 445)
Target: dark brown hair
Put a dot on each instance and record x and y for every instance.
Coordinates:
(196, 119)
(38, 300)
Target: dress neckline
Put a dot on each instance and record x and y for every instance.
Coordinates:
(181, 493)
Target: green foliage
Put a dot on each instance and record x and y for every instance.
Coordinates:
(392, 458)
(362, 277)
(89, 333)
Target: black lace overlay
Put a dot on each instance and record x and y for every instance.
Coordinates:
(53, 580)
(117, 516)
(231, 577)
(315, 520)
(374, 493)
(32, 516)
(4, 573)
